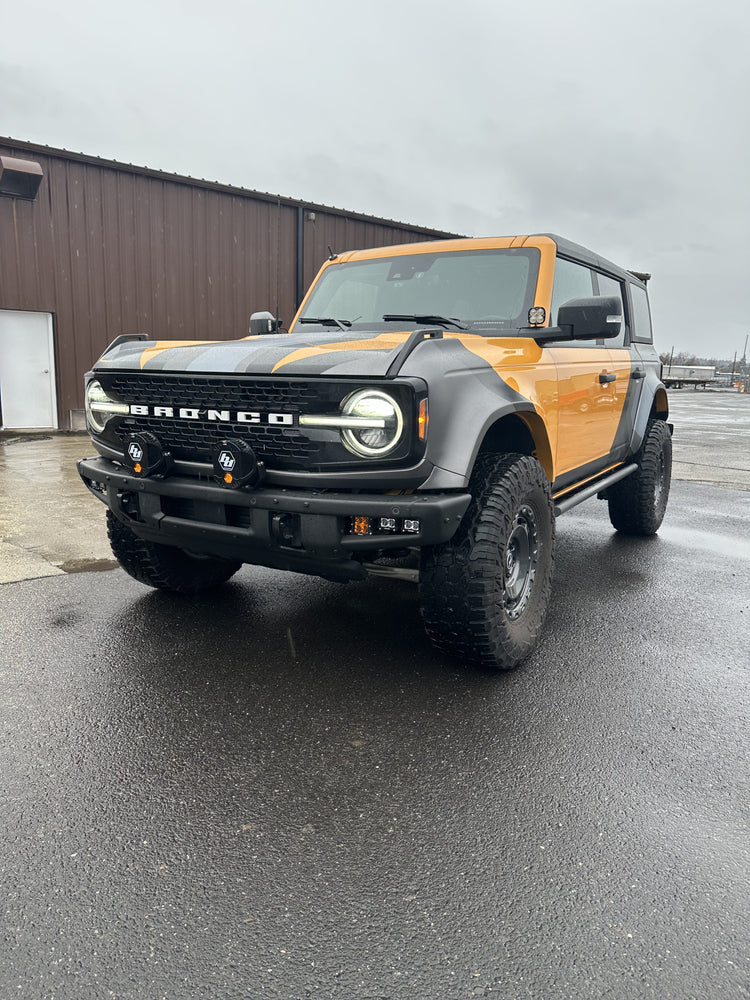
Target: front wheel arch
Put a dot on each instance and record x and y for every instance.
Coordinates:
(520, 433)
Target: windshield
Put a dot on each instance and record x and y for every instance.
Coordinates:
(486, 290)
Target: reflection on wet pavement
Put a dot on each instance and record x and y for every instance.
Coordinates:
(49, 523)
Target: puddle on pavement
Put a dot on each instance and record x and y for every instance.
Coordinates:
(708, 541)
(7, 437)
(88, 565)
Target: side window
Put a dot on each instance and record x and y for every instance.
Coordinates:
(611, 286)
(572, 281)
(641, 322)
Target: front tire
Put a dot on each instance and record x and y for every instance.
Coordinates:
(638, 502)
(164, 566)
(484, 594)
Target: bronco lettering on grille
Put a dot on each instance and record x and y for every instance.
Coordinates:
(221, 416)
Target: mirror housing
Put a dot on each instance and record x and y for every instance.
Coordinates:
(263, 322)
(595, 318)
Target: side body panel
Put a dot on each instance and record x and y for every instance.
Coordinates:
(589, 409)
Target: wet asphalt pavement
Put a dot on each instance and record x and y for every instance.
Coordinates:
(281, 789)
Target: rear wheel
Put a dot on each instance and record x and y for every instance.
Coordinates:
(163, 566)
(638, 502)
(484, 594)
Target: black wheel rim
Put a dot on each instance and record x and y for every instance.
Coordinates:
(520, 561)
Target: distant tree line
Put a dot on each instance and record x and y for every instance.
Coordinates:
(683, 358)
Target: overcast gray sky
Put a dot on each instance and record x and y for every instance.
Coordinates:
(625, 127)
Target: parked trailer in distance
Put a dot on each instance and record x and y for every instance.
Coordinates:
(676, 376)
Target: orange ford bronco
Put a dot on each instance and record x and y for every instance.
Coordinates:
(430, 412)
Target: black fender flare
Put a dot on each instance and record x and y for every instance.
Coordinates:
(652, 403)
(513, 427)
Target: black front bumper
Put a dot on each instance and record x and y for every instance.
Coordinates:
(301, 530)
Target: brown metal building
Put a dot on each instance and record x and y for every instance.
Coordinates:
(91, 248)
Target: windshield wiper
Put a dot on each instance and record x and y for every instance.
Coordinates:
(342, 324)
(438, 320)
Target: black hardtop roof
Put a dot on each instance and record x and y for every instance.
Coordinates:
(569, 249)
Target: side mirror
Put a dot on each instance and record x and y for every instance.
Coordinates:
(263, 322)
(595, 318)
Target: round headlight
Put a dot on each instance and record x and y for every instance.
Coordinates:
(100, 407)
(377, 424)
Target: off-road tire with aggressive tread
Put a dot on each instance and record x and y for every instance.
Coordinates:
(164, 566)
(474, 603)
(638, 502)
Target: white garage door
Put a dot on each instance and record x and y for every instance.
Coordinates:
(27, 370)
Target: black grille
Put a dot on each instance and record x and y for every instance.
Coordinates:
(279, 447)
(225, 393)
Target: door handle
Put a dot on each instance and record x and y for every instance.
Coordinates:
(605, 377)
(638, 373)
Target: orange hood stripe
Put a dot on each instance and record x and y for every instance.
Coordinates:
(384, 342)
(164, 345)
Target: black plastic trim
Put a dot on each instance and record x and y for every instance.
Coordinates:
(414, 339)
(124, 338)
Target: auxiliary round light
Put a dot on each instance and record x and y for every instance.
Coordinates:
(146, 456)
(235, 464)
(380, 427)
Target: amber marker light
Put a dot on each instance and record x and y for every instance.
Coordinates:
(137, 467)
(423, 420)
(228, 478)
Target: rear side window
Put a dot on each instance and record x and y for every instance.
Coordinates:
(611, 286)
(641, 316)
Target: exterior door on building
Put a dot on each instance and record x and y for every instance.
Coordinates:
(28, 397)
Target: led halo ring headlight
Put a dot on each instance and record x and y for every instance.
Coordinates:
(381, 423)
(100, 407)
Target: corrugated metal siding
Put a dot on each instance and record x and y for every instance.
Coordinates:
(346, 234)
(111, 249)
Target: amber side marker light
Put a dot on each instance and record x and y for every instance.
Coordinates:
(138, 467)
(423, 420)
(228, 478)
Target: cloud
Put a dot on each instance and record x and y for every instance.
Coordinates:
(628, 133)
